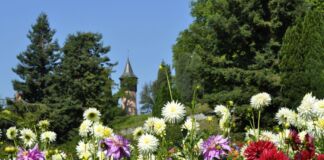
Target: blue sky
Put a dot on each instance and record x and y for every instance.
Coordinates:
(143, 30)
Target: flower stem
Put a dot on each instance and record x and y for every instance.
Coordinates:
(259, 117)
(169, 85)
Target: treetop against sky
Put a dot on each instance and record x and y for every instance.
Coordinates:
(143, 30)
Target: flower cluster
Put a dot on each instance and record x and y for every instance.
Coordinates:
(299, 135)
(99, 141)
(33, 143)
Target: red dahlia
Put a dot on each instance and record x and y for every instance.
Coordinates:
(320, 157)
(273, 154)
(255, 149)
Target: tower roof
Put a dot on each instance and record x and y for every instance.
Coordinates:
(128, 71)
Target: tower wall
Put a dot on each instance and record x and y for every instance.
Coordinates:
(129, 102)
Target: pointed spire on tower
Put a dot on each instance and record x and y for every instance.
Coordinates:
(128, 71)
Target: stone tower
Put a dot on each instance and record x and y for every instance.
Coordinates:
(128, 85)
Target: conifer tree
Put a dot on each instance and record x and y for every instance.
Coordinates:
(37, 62)
(85, 70)
(302, 59)
(237, 44)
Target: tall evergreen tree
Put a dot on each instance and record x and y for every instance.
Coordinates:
(37, 62)
(85, 70)
(302, 59)
(82, 81)
(161, 90)
(237, 44)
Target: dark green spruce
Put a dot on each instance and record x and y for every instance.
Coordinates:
(37, 62)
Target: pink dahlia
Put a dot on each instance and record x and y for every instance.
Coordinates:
(116, 147)
(31, 154)
(215, 147)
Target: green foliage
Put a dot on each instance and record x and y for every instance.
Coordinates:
(125, 122)
(37, 62)
(81, 81)
(161, 90)
(231, 49)
(301, 62)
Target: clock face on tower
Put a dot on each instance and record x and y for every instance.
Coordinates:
(128, 85)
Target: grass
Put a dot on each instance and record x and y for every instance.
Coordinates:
(126, 122)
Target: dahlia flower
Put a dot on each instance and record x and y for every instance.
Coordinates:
(215, 147)
(173, 112)
(48, 136)
(147, 143)
(28, 137)
(85, 128)
(320, 157)
(269, 136)
(138, 132)
(159, 126)
(107, 132)
(222, 110)
(92, 114)
(255, 149)
(43, 124)
(116, 147)
(273, 154)
(260, 100)
(31, 154)
(319, 108)
(149, 124)
(190, 123)
(84, 150)
(285, 115)
(98, 130)
(294, 140)
(11, 133)
(305, 110)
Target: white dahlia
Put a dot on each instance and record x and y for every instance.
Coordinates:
(305, 110)
(320, 123)
(159, 126)
(285, 115)
(92, 114)
(98, 130)
(224, 123)
(222, 110)
(138, 132)
(84, 150)
(251, 134)
(190, 123)
(173, 112)
(149, 124)
(12, 133)
(147, 143)
(43, 124)
(28, 137)
(269, 136)
(319, 108)
(85, 128)
(108, 132)
(48, 136)
(260, 100)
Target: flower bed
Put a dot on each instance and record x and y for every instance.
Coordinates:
(300, 136)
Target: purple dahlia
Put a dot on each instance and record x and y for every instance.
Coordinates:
(31, 154)
(215, 147)
(116, 147)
